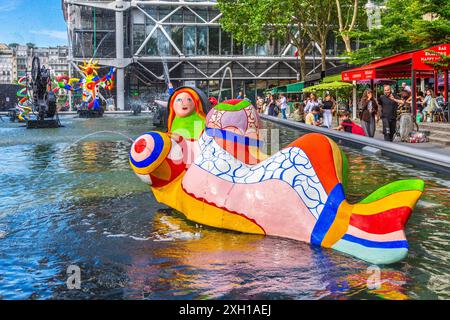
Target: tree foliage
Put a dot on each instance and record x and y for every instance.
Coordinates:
(349, 18)
(405, 25)
(442, 63)
(294, 21)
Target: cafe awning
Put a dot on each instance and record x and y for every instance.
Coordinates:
(329, 86)
(398, 65)
(280, 89)
(296, 87)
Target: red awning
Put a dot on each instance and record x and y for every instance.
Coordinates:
(398, 66)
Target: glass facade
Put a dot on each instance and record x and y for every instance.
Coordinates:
(197, 41)
(173, 35)
(192, 38)
(92, 32)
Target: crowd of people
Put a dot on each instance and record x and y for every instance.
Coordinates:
(387, 107)
(312, 110)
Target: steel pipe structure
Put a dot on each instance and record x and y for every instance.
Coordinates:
(146, 37)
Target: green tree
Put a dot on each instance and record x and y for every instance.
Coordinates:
(295, 21)
(13, 45)
(319, 18)
(349, 18)
(434, 27)
(405, 25)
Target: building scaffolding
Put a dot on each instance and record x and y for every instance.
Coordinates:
(152, 41)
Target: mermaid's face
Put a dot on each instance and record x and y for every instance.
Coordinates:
(183, 105)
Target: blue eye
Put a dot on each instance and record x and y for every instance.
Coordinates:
(189, 99)
(179, 99)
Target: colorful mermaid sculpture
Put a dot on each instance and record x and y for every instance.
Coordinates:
(187, 112)
(223, 180)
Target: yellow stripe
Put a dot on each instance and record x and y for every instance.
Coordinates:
(257, 153)
(339, 226)
(201, 212)
(337, 156)
(396, 200)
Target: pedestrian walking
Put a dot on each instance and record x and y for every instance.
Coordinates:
(328, 107)
(369, 111)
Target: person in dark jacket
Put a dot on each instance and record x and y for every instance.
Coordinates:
(389, 104)
(369, 111)
(271, 106)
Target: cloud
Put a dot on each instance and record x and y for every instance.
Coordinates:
(56, 34)
(10, 5)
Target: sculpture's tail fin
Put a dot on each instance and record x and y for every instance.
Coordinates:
(376, 227)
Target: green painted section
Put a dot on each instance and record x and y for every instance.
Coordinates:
(331, 86)
(344, 170)
(332, 78)
(233, 107)
(189, 127)
(280, 89)
(295, 87)
(394, 187)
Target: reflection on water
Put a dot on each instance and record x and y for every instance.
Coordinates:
(65, 203)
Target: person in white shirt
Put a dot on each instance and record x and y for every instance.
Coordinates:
(312, 102)
(406, 87)
(283, 105)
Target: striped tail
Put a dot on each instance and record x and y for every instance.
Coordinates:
(376, 227)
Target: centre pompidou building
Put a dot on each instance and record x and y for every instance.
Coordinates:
(153, 41)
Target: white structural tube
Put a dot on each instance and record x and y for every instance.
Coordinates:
(120, 74)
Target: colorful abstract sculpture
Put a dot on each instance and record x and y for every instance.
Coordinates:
(66, 83)
(223, 180)
(23, 108)
(91, 83)
(59, 82)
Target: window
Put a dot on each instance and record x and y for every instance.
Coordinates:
(152, 46)
(202, 13)
(237, 48)
(188, 15)
(214, 40)
(261, 50)
(163, 43)
(177, 16)
(202, 40)
(212, 13)
(330, 44)
(138, 36)
(249, 50)
(225, 41)
(163, 13)
(177, 38)
(189, 41)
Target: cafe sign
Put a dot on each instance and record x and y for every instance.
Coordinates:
(358, 75)
(423, 58)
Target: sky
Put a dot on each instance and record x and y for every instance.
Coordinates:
(38, 21)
